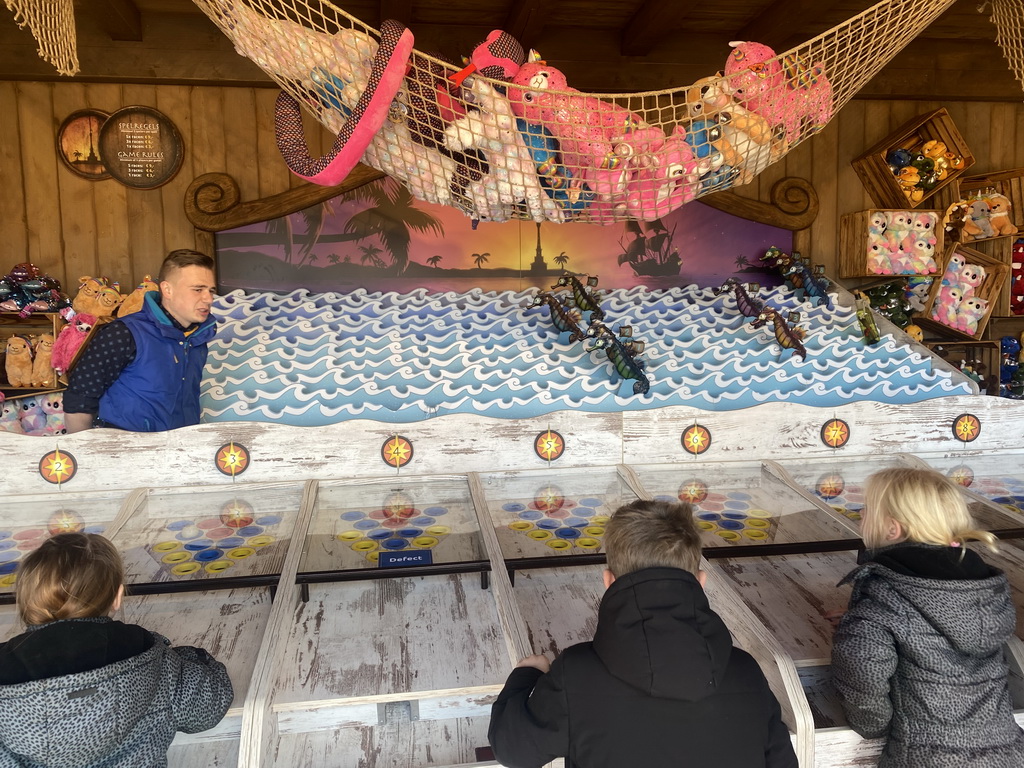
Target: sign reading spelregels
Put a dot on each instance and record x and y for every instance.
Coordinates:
(141, 147)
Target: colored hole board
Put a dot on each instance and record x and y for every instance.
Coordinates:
(999, 478)
(537, 514)
(190, 533)
(741, 504)
(354, 522)
(28, 521)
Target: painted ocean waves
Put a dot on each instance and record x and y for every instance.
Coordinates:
(314, 359)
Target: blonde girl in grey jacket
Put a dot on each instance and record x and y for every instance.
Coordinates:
(918, 659)
(79, 690)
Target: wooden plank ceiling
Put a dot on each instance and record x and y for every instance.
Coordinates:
(602, 45)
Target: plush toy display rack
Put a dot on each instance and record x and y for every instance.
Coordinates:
(11, 324)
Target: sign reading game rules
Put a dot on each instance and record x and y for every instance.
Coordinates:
(141, 147)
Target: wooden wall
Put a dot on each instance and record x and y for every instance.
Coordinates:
(70, 226)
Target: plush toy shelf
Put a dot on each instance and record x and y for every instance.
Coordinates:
(12, 324)
(988, 290)
(873, 168)
(854, 240)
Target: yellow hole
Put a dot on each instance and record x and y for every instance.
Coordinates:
(755, 534)
(218, 565)
(350, 536)
(540, 534)
(424, 542)
(600, 519)
(260, 541)
(520, 525)
(586, 543)
(185, 569)
(8, 580)
(166, 546)
(728, 535)
(594, 530)
(439, 530)
(559, 544)
(764, 513)
(758, 523)
(706, 525)
(240, 552)
(373, 557)
(364, 546)
(177, 557)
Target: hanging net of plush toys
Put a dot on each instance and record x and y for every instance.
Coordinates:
(506, 137)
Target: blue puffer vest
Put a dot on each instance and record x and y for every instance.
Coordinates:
(159, 389)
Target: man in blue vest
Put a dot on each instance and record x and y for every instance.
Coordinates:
(141, 373)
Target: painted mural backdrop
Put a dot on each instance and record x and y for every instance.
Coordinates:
(380, 239)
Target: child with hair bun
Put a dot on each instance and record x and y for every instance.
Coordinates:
(80, 689)
(918, 659)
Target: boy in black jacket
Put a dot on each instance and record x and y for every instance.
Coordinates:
(660, 685)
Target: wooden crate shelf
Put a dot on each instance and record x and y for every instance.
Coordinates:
(854, 240)
(12, 324)
(873, 169)
(989, 290)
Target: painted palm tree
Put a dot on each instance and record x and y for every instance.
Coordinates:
(561, 259)
(371, 253)
(281, 230)
(434, 261)
(480, 259)
(741, 262)
(334, 258)
(314, 218)
(392, 217)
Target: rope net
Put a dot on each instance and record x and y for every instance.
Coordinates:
(1008, 17)
(506, 137)
(52, 23)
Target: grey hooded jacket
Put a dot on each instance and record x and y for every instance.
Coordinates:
(121, 715)
(920, 661)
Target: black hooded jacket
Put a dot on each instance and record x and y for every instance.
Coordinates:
(660, 685)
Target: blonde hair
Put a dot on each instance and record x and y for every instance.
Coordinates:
(652, 534)
(70, 576)
(927, 505)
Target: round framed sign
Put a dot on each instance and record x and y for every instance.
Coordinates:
(78, 140)
(141, 147)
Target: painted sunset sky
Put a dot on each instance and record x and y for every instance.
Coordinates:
(711, 244)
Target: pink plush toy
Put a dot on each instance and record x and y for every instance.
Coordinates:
(969, 314)
(592, 134)
(946, 305)
(924, 224)
(792, 92)
(9, 413)
(970, 277)
(922, 256)
(877, 224)
(53, 407)
(33, 420)
(672, 182)
(898, 222)
(69, 340)
(951, 276)
(879, 262)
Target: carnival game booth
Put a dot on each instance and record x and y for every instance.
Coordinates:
(369, 601)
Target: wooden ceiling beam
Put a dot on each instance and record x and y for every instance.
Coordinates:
(119, 18)
(774, 25)
(526, 20)
(654, 21)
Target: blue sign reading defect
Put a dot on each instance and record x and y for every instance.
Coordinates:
(405, 558)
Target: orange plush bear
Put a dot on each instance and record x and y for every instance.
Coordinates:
(88, 292)
(42, 368)
(133, 302)
(18, 364)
